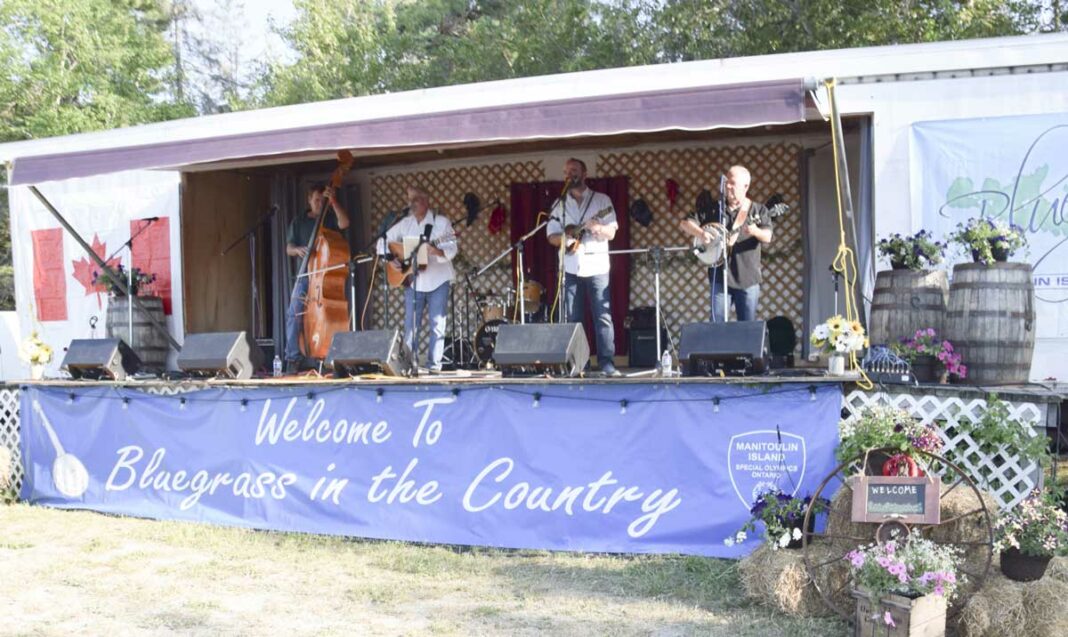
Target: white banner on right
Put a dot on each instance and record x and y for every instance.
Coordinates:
(1011, 169)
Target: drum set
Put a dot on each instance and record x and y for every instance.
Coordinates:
(493, 310)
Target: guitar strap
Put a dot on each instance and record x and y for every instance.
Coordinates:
(586, 206)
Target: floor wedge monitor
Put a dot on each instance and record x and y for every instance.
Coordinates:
(370, 352)
(559, 349)
(100, 359)
(227, 354)
(739, 347)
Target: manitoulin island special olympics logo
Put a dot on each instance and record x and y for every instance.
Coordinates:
(765, 459)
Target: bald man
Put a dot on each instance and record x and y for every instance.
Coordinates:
(748, 228)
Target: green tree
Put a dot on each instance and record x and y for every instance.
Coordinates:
(79, 65)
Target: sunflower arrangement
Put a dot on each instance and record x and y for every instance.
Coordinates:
(34, 351)
(836, 335)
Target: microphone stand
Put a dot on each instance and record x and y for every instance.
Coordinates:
(128, 244)
(518, 247)
(413, 262)
(726, 248)
(250, 234)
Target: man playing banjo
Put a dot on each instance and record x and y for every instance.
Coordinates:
(746, 226)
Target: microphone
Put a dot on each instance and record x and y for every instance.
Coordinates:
(150, 219)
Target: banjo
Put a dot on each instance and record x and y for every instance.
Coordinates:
(714, 253)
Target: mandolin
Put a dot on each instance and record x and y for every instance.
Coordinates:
(578, 231)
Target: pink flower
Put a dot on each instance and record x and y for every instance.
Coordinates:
(888, 619)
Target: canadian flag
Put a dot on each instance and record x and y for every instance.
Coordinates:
(151, 253)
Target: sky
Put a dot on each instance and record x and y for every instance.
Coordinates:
(258, 36)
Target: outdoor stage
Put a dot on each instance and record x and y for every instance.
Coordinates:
(631, 465)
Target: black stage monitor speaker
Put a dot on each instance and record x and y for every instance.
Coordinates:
(100, 359)
(230, 354)
(737, 348)
(537, 348)
(370, 352)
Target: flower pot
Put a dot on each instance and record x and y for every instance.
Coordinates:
(927, 369)
(836, 365)
(898, 265)
(899, 616)
(1023, 568)
(36, 371)
(1001, 255)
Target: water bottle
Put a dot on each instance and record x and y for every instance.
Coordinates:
(665, 363)
(277, 366)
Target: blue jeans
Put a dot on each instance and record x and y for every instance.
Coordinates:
(576, 289)
(436, 302)
(295, 319)
(744, 299)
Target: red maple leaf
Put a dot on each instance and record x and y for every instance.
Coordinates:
(85, 270)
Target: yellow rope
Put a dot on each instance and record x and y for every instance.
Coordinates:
(845, 261)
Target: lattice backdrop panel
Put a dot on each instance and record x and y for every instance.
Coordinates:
(1009, 479)
(684, 289)
(478, 247)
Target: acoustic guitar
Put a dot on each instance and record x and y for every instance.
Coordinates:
(396, 275)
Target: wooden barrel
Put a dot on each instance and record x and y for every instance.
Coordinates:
(905, 301)
(147, 342)
(990, 319)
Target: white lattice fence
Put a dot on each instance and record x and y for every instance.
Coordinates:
(9, 433)
(1003, 475)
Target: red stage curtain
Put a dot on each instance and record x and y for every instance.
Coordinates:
(539, 258)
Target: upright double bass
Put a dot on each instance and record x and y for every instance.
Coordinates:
(326, 309)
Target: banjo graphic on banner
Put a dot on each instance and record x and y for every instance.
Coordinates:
(1010, 169)
(530, 466)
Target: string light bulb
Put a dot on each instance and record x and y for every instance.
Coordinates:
(537, 400)
(623, 407)
(378, 395)
(181, 403)
(244, 404)
(715, 405)
(125, 402)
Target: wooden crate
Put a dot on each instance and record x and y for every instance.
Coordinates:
(921, 617)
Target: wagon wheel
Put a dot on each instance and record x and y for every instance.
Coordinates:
(825, 552)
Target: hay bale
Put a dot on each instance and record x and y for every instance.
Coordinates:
(780, 579)
(840, 521)
(1007, 607)
(972, 528)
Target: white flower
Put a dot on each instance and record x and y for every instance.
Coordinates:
(784, 540)
(821, 331)
(739, 537)
(797, 533)
(729, 541)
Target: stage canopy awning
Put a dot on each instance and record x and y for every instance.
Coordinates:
(472, 115)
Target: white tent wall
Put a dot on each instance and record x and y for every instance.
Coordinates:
(99, 208)
(897, 104)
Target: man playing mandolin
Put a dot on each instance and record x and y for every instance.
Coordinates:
(748, 226)
(432, 281)
(585, 221)
(297, 238)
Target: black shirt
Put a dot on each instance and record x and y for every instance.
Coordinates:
(301, 227)
(744, 259)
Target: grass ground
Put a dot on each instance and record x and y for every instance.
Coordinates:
(80, 573)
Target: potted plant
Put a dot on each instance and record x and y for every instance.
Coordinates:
(783, 516)
(35, 353)
(988, 240)
(887, 438)
(838, 337)
(917, 252)
(1029, 535)
(904, 582)
(137, 280)
(926, 353)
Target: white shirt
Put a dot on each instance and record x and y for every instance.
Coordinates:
(591, 257)
(438, 269)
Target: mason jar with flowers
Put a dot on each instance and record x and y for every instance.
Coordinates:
(837, 338)
(1029, 535)
(912, 252)
(989, 241)
(783, 517)
(36, 353)
(930, 357)
(904, 581)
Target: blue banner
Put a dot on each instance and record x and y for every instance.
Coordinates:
(638, 468)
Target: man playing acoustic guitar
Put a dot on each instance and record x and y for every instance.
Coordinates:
(748, 226)
(432, 281)
(585, 221)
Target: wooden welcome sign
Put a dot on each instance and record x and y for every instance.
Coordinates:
(899, 498)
